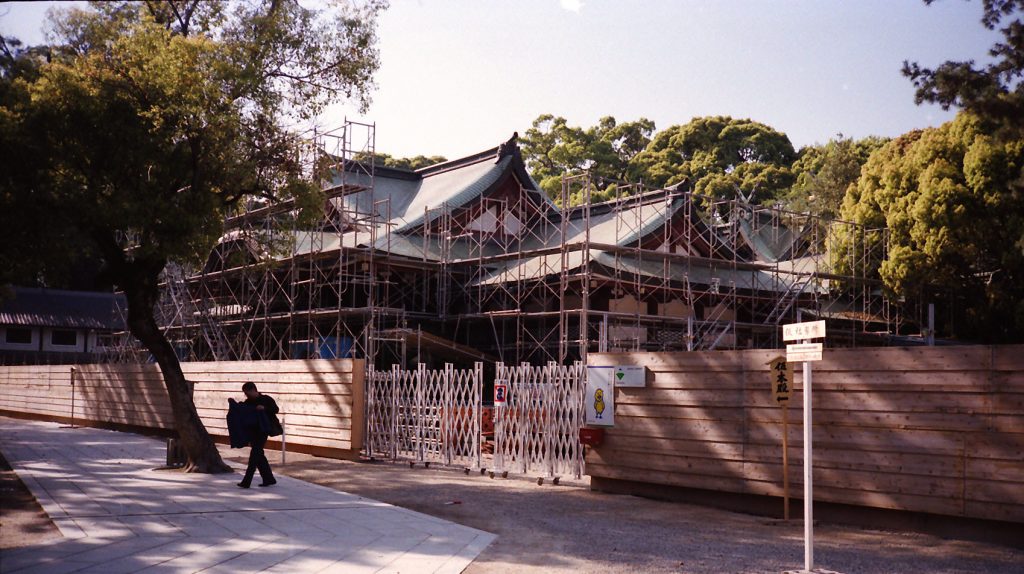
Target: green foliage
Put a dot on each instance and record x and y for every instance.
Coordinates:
(406, 163)
(552, 148)
(150, 120)
(722, 157)
(824, 173)
(953, 201)
(993, 91)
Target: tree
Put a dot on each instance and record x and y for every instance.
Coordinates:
(824, 172)
(137, 132)
(722, 158)
(552, 148)
(993, 91)
(406, 163)
(951, 200)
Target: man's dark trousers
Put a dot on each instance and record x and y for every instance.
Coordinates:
(258, 461)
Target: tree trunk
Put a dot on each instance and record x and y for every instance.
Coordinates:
(142, 295)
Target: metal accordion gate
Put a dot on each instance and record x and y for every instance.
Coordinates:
(425, 415)
(435, 416)
(537, 430)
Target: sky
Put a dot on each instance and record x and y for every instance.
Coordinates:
(459, 76)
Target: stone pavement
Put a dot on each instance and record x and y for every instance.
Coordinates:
(118, 514)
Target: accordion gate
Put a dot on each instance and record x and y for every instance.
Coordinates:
(435, 416)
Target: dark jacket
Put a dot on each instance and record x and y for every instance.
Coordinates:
(270, 409)
(246, 422)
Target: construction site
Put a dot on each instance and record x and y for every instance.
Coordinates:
(469, 260)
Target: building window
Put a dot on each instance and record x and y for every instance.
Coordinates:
(63, 338)
(18, 336)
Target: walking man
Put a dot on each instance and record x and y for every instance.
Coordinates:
(264, 406)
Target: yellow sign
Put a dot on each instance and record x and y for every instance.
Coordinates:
(781, 373)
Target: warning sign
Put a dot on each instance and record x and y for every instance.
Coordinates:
(781, 374)
(500, 394)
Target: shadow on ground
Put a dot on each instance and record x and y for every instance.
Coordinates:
(571, 529)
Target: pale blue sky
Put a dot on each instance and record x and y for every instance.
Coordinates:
(461, 76)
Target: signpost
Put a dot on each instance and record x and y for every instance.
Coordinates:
(780, 374)
(806, 352)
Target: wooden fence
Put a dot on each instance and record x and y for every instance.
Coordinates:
(936, 430)
(322, 400)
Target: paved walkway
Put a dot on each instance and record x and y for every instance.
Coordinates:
(117, 514)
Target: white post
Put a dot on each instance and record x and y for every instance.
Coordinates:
(808, 474)
(283, 444)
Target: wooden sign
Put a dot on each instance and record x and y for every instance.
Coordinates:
(799, 331)
(781, 375)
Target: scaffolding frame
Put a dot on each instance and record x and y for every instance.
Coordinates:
(513, 276)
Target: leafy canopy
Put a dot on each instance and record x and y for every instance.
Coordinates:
(952, 201)
(150, 121)
(824, 172)
(720, 157)
(995, 90)
(552, 148)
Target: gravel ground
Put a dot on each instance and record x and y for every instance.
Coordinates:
(568, 528)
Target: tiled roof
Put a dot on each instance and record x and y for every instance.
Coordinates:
(31, 307)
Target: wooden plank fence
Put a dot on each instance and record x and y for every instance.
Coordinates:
(937, 430)
(322, 400)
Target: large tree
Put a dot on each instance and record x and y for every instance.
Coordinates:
(722, 158)
(995, 90)
(824, 172)
(552, 148)
(133, 134)
(950, 198)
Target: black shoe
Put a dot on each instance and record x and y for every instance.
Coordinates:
(243, 485)
(271, 483)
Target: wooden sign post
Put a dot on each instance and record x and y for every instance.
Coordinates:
(781, 380)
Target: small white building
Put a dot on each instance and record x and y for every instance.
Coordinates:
(39, 326)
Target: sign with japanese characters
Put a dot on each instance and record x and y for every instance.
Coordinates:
(799, 331)
(780, 372)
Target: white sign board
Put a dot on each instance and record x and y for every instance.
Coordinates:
(500, 394)
(798, 331)
(630, 376)
(600, 398)
(803, 352)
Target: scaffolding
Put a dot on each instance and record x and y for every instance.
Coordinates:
(510, 274)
